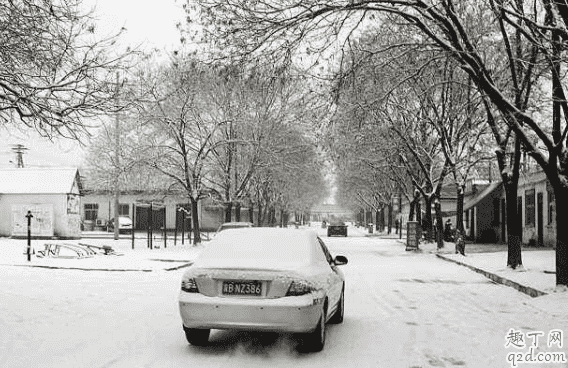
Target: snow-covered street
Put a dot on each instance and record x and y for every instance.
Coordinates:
(403, 309)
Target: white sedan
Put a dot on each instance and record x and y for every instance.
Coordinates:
(263, 279)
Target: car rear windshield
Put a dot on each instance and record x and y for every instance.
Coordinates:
(290, 247)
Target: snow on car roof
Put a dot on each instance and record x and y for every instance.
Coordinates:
(272, 245)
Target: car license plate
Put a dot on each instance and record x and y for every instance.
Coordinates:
(242, 288)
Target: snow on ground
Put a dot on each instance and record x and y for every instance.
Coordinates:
(403, 309)
(538, 271)
(141, 258)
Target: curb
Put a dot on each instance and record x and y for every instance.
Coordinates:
(498, 279)
(86, 269)
(103, 269)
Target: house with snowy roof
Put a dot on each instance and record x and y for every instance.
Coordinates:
(51, 195)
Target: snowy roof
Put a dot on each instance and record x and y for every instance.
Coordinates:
(39, 181)
(479, 196)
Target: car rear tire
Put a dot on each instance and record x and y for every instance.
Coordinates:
(314, 341)
(197, 337)
(338, 315)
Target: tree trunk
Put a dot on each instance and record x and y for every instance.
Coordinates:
(412, 212)
(271, 216)
(260, 215)
(427, 222)
(251, 213)
(561, 198)
(228, 211)
(283, 218)
(439, 224)
(238, 211)
(514, 228)
(459, 209)
(415, 207)
(195, 220)
(389, 219)
(378, 220)
(419, 213)
(558, 181)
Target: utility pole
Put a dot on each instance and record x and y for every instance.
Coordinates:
(19, 149)
(117, 165)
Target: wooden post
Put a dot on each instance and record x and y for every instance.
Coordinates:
(176, 228)
(133, 223)
(182, 227)
(151, 225)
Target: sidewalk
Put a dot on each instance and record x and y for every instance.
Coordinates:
(537, 277)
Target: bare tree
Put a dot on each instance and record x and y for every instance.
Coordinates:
(180, 131)
(290, 175)
(55, 70)
(445, 25)
(254, 101)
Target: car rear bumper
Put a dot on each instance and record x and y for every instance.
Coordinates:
(288, 314)
(337, 230)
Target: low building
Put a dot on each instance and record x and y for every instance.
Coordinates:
(151, 210)
(482, 217)
(51, 195)
(485, 217)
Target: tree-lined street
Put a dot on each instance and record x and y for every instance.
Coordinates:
(403, 309)
(371, 108)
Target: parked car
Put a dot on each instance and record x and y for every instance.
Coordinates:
(337, 228)
(234, 225)
(263, 279)
(124, 224)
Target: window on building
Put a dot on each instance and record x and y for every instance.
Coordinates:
(529, 208)
(123, 209)
(91, 211)
(551, 207)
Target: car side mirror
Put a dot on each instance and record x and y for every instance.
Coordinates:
(340, 260)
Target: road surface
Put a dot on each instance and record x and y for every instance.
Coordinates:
(403, 309)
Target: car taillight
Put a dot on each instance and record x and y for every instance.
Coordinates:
(299, 288)
(189, 286)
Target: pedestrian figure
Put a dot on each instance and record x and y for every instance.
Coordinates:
(396, 224)
(460, 243)
(448, 231)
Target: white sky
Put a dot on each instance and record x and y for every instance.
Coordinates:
(148, 23)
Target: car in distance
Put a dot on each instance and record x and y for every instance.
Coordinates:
(234, 225)
(263, 279)
(124, 224)
(337, 228)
